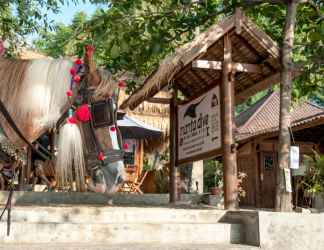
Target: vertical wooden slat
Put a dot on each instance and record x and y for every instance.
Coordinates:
(256, 167)
(227, 115)
(173, 188)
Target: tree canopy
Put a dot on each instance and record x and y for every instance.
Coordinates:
(135, 35)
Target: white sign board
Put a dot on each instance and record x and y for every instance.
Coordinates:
(288, 180)
(199, 127)
(294, 157)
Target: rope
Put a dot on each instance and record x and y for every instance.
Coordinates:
(13, 125)
(8, 203)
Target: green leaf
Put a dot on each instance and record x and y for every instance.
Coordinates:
(114, 52)
(315, 36)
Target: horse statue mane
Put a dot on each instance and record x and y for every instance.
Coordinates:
(35, 94)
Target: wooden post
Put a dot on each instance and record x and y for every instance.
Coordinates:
(228, 143)
(173, 187)
(29, 164)
(22, 176)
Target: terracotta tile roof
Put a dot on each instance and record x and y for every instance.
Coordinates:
(263, 117)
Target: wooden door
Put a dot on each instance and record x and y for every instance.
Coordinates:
(246, 165)
(268, 169)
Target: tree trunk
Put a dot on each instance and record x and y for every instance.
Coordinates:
(284, 198)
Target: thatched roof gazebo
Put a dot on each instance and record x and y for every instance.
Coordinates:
(250, 45)
(231, 61)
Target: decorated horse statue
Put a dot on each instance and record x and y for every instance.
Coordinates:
(77, 103)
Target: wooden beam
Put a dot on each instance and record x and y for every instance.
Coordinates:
(246, 67)
(228, 143)
(205, 64)
(159, 100)
(238, 20)
(275, 78)
(237, 67)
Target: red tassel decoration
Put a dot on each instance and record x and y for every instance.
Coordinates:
(113, 129)
(101, 156)
(69, 93)
(125, 146)
(122, 84)
(78, 61)
(89, 50)
(77, 78)
(83, 113)
(72, 120)
(73, 71)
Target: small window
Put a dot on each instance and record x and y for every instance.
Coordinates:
(268, 161)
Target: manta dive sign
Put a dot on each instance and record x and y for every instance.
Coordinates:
(199, 130)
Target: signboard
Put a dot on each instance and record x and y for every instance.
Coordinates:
(294, 157)
(199, 127)
(288, 180)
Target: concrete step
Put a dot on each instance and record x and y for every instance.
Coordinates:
(104, 214)
(57, 198)
(119, 233)
(68, 246)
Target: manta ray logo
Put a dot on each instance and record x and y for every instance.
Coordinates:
(191, 110)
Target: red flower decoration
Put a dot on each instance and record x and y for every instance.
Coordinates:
(78, 61)
(89, 50)
(69, 93)
(73, 71)
(113, 129)
(101, 156)
(83, 113)
(125, 146)
(122, 84)
(77, 78)
(72, 120)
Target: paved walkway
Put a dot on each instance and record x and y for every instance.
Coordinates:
(53, 246)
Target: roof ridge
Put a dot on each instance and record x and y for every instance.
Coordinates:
(265, 100)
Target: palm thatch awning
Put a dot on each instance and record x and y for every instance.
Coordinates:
(250, 45)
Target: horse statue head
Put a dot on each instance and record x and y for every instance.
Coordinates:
(76, 100)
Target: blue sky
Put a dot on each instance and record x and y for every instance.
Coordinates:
(68, 11)
(66, 14)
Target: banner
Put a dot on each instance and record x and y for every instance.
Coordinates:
(199, 127)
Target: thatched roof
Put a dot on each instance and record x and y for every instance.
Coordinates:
(156, 115)
(249, 45)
